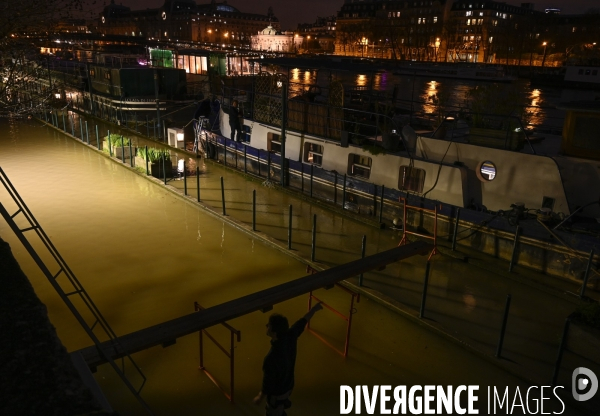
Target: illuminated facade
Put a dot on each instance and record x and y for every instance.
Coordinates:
(184, 20)
(270, 39)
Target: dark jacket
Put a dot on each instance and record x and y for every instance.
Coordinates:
(278, 366)
(234, 116)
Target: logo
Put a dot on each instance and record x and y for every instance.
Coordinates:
(585, 384)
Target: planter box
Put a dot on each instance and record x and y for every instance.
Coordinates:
(156, 169)
(118, 152)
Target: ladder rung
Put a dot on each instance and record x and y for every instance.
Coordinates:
(29, 229)
(95, 323)
(59, 272)
(74, 292)
(17, 213)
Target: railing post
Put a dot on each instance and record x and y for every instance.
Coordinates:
(245, 158)
(362, 256)
(254, 210)
(198, 182)
(312, 173)
(561, 348)
(268, 166)
(122, 149)
(587, 274)
(335, 188)
(64, 124)
(223, 196)
(109, 145)
(146, 157)
(425, 284)
(130, 151)
(314, 238)
(184, 180)
(503, 328)
(290, 229)
(381, 204)
(514, 250)
(344, 193)
(164, 168)
(87, 133)
(98, 138)
(81, 128)
(455, 233)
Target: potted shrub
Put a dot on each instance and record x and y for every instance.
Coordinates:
(119, 145)
(157, 159)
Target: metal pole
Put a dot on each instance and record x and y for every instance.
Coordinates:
(98, 138)
(514, 250)
(349, 327)
(122, 149)
(87, 133)
(344, 193)
(245, 159)
(290, 229)
(64, 124)
(302, 176)
(130, 153)
(164, 169)
(374, 200)
(587, 274)
(335, 189)
(503, 329)
(146, 157)
(254, 210)
(109, 145)
(312, 173)
(314, 238)
(268, 166)
(381, 204)
(81, 128)
(424, 297)
(184, 180)
(198, 182)
(362, 256)
(561, 348)
(284, 116)
(223, 196)
(455, 233)
(258, 162)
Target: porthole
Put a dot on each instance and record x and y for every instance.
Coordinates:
(486, 171)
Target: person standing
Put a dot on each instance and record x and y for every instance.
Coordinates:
(278, 365)
(234, 121)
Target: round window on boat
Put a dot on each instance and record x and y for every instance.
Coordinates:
(487, 171)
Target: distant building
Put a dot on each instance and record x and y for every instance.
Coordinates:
(184, 20)
(272, 40)
(319, 35)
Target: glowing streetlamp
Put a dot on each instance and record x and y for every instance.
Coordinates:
(545, 45)
(437, 46)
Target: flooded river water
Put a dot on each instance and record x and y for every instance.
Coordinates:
(145, 256)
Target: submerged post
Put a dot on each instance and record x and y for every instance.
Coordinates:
(64, 124)
(223, 196)
(130, 152)
(81, 128)
(587, 274)
(122, 148)
(72, 125)
(425, 283)
(362, 256)
(97, 138)
(164, 168)
(146, 157)
(312, 173)
(314, 238)
(503, 328)
(87, 133)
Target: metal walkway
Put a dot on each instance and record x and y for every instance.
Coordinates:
(166, 333)
(68, 287)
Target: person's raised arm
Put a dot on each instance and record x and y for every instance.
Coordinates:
(312, 311)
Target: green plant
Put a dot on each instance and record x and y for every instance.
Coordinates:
(588, 313)
(373, 149)
(157, 155)
(117, 140)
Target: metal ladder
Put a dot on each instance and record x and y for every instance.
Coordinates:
(67, 277)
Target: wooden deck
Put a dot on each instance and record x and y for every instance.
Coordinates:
(167, 332)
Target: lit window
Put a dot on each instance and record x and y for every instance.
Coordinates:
(313, 154)
(487, 171)
(359, 166)
(469, 13)
(411, 179)
(273, 142)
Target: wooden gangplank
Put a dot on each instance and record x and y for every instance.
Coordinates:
(167, 332)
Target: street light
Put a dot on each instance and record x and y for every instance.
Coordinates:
(437, 46)
(545, 45)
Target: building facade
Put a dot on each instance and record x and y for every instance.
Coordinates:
(271, 40)
(183, 20)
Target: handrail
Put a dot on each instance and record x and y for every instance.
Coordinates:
(405, 232)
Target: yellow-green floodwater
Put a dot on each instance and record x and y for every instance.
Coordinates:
(145, 256)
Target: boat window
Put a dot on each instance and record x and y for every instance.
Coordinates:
(273, 142)
(487, 171)
(359, 166)
(313, 154)
(411, 179)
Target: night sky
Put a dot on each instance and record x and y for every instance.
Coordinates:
(292, 12)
